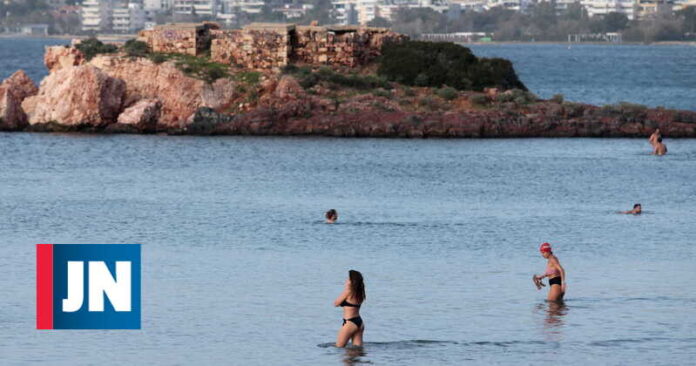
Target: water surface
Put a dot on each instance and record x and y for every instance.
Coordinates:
(238, 267)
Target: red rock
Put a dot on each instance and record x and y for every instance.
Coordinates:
(12, 92)
(142, 115)
(179, 94)
(59, 57)
(288, 88)
(74, 96)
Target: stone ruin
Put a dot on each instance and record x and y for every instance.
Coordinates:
(270, 46)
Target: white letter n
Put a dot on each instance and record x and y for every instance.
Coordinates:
(102, 283)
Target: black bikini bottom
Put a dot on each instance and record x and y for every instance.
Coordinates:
(357, 321)
(555, 281)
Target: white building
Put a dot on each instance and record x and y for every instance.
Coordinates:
(230, 10)
(96, 15)
(157, 4)
(515, 5)
(198, 7)
(128, 19)
(363, 11)
(388, 8)
(470, 5)
(603, 7)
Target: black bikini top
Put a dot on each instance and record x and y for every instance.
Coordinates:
(346, 303)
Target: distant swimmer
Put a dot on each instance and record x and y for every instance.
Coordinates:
(331, 216)
(653, 138)
(637, 210)
(555, 273)
(660, 148)
(350, 300)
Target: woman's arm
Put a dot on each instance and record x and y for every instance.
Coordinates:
(344, 294)
(560, 269)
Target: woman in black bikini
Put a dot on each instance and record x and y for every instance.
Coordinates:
(350, 300)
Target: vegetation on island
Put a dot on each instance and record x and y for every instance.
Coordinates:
(199, 67)
(437, 64)
(91, 47)
(440, 72)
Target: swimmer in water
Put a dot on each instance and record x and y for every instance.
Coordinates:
(660, 148)
(653, 138)
(555, 273)
(350, 300)
(637, 209)
(331, 216)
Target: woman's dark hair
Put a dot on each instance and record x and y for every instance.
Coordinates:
(331, 214)
(659, 139)
(636, 205)
(357, 286)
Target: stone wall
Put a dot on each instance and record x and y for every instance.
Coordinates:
(254, 48)
(270, 46)
(186, 38)
(345, 46)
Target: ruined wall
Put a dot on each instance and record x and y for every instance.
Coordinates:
(268, 46)
(251, 49)
(189, 39)
(344, 46)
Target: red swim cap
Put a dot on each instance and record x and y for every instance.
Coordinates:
(545, 248)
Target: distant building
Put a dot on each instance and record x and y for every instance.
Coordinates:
(35, 29)
(470, 5)
(96, 15)
(293, 11)
(651, 8)
(203, 8)
(388, 8)
(515, 5)
(128, 19)
(604, 7)
(363, 11)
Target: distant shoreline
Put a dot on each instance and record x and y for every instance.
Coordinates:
(125, 37)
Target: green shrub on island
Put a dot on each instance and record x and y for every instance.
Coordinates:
(382, 93)
(135, 48)
(196, 67)
(518, 96)
(158, 58)
(309, 78)
(436, 64)
(447, 93)
(557, 98)
(91, 47)
(248, 77)
(478, 100)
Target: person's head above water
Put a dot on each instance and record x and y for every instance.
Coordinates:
(637, 208)
(357, 286)
(545, 249)
(331, 215)
(659, 139)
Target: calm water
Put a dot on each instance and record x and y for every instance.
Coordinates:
(597, 74)
(238, 268)
(601, 74)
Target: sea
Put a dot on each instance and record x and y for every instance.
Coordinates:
(239, 267)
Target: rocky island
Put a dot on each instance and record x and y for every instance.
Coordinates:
(286, 79)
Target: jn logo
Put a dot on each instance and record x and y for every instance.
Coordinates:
(88, 286)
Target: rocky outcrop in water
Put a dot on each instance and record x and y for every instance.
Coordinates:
(12, 92)
(76, 96)
(116, 93)
(180, 96)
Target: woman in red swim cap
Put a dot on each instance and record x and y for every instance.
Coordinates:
(555, 273)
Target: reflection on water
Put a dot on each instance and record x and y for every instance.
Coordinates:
(553, 319)
(353, 356)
